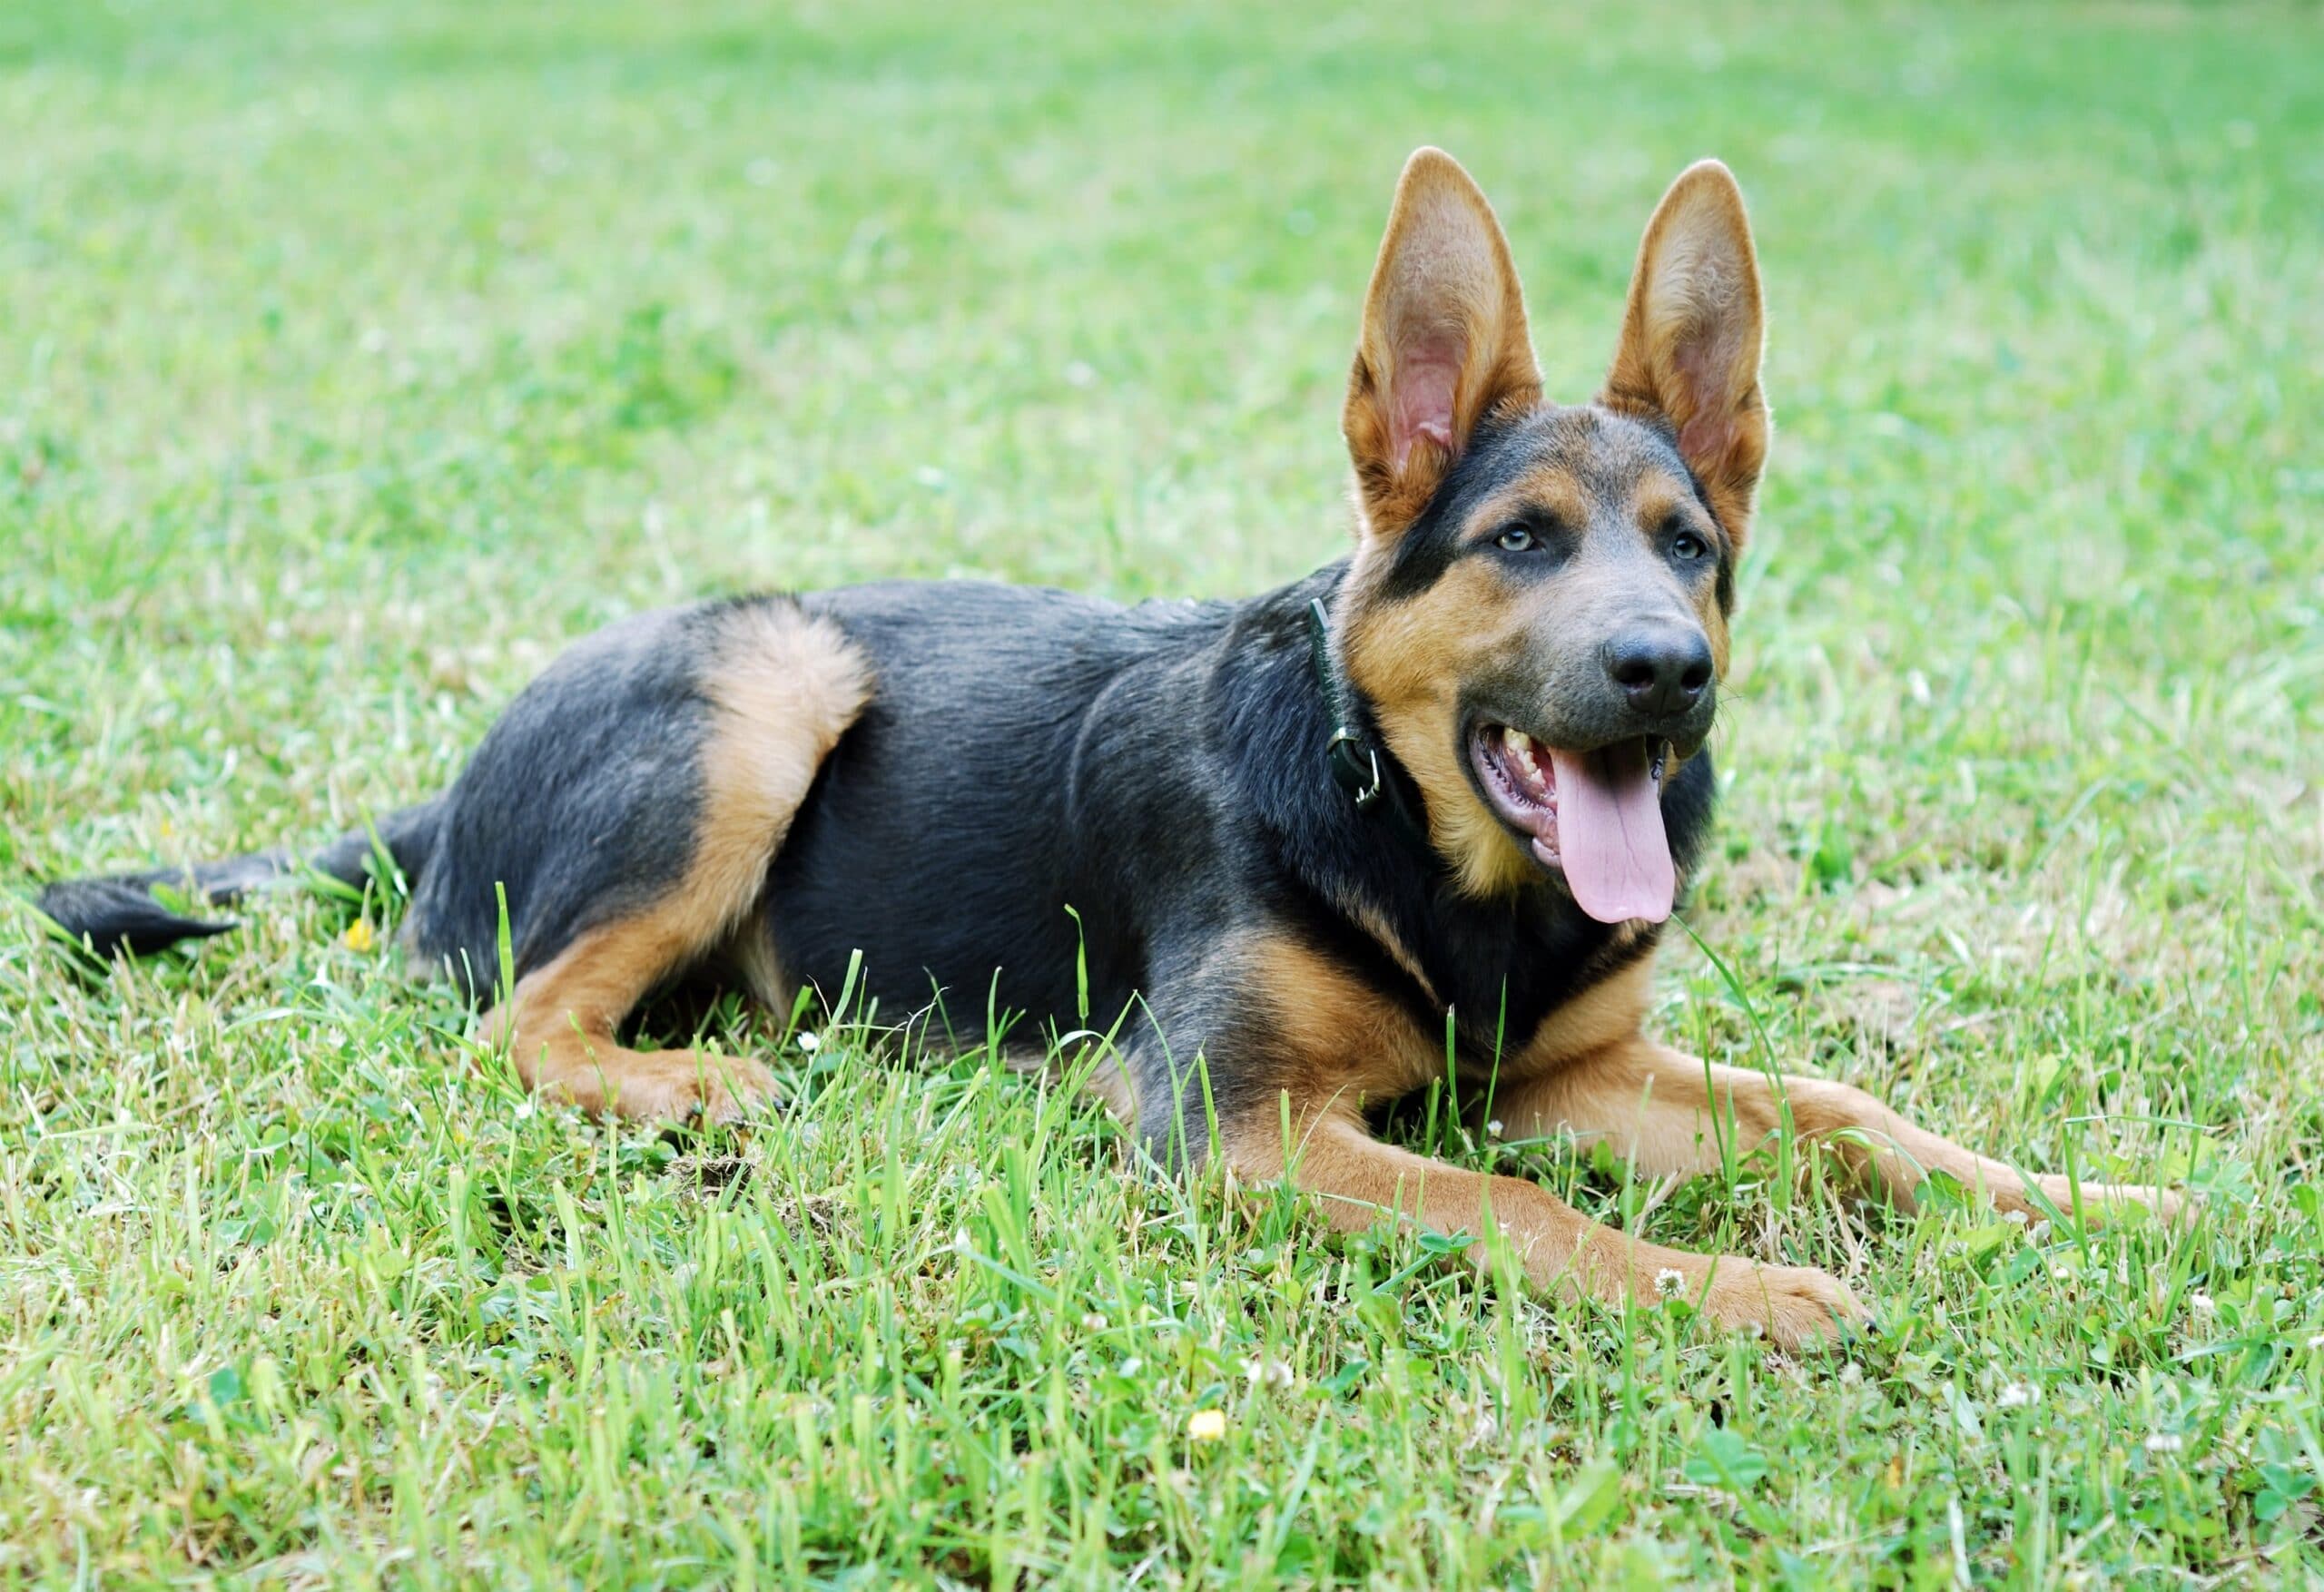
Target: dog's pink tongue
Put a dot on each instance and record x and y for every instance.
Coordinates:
(1609, 834)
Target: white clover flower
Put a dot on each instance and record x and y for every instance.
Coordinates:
(807, 1041)
(1095, 1322)
(2017, 1395)
(2200, 1302)
(1275, 1373)
(1669, 1282)
(2164, 1442)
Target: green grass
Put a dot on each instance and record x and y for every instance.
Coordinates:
(353, 359)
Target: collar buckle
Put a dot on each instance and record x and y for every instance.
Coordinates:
(1356, 766)
(1354, 760)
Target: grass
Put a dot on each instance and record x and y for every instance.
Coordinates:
(358, 356)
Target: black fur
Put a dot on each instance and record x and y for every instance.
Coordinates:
(579, 806)
(1012, 763)
(580, 803)
(110, 916)
(1597, 447)
(1159, 770)
(119, 913)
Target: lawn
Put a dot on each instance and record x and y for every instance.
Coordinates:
(354, 358)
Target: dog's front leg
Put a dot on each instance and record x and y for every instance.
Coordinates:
(1325, 1150)
(1262, 1050)
(1667, 1112)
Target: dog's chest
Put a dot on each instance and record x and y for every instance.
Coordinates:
(1515, 998)
(1375, 1043)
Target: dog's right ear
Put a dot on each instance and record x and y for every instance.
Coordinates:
(1444, 342)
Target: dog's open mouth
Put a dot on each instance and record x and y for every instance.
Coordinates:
(1595, 816)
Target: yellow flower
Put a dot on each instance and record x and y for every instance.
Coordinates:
(1206, 1426)
(357, 937)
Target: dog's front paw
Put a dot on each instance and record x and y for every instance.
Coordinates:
(1793, 1306)
(2102, 1201)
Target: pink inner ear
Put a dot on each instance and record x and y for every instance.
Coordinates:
(1704, 369)
(1421, 403)
(1705, 439)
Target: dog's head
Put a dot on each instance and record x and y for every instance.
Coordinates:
(1537, 610)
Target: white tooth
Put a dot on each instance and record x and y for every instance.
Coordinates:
(1517, 741)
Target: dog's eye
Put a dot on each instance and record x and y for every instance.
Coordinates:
(1687, 545)
(1516, 539)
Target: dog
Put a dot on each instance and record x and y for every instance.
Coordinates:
(1424, 809)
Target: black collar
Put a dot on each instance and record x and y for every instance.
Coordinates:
(1358, 767)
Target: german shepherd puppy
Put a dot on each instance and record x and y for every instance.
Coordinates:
(1447, 785)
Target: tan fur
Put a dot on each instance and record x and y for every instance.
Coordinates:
(1443, 288)
(1689, 357)
(1360, 1182)
(560, 1028)
(1692, 334)
(1655, 1107)
(1658, 499)
(1409, 659)
(1348, 1044)
(1603, 1015)
(1362, 915)
(750, 952)
(1586, 1072)
(789, 685)
(784, 687)
(1107, 1082)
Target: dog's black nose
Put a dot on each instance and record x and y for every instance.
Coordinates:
(1662, 672)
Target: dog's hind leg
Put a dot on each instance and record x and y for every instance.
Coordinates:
(781, 688)
(1668, 1112)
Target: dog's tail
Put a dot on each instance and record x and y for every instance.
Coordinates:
(119, 912)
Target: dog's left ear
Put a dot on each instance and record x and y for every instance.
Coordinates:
(1690, 353)
(1444, 341)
